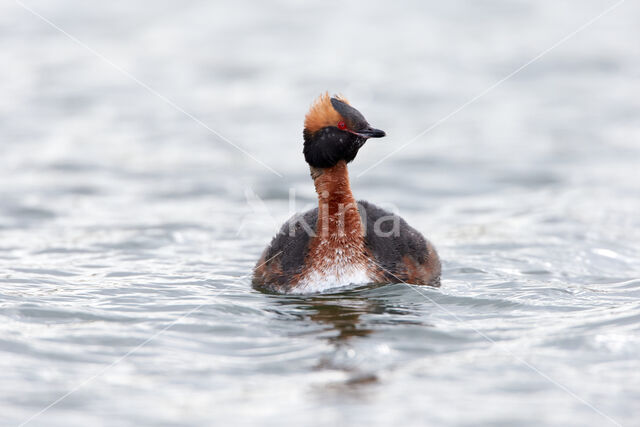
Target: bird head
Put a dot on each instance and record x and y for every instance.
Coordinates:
(334, 131)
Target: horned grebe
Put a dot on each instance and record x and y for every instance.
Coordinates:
(341, 242)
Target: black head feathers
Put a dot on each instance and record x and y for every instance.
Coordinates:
(334, 131)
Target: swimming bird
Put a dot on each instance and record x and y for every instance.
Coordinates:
(342, 242)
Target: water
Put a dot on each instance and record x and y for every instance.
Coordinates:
(128, 230)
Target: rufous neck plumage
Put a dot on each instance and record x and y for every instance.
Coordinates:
(338, 216)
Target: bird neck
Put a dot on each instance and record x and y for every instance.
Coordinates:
(338, 216)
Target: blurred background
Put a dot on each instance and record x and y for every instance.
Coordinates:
(150, 151)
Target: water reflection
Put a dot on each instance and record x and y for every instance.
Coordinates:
(347, 318)
(343, 316)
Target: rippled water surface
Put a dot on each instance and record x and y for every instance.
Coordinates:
(129, 223)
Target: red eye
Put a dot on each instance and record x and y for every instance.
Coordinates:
(341, 125)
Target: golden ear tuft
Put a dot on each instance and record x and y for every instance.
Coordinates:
(322, 114)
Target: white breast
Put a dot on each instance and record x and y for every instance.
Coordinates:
(333, 272)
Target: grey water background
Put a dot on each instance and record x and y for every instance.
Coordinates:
(123, 219)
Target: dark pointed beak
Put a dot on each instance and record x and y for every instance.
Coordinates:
(370, 132)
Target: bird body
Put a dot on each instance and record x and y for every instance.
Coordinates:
(342, 242)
